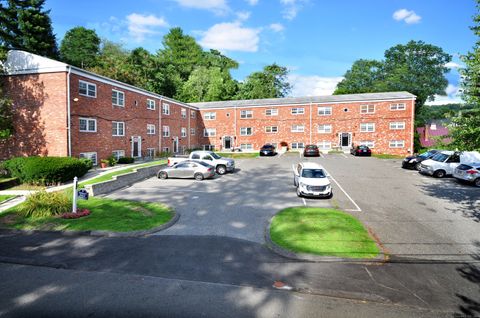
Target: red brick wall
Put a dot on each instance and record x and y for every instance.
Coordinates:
(40, 115)
(341, 121)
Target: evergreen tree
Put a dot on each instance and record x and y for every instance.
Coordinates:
(26, 26)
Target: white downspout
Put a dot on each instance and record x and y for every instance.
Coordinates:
(412, 145)
(189, 115)
(310, 123)
(69, 130)
(160, 128)
(235, 144)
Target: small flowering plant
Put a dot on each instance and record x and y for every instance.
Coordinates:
(80, 213)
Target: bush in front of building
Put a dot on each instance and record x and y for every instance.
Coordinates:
(126, 160)
(43, 204)
(47, 170)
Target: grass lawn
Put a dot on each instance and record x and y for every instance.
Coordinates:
(5, 197)
(109, 176)
(325, 232)
(386, 156)
(238, 155)
(106, 214)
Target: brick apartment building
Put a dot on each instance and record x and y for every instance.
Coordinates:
(62, 110)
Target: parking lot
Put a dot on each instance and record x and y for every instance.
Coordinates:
(413, 216)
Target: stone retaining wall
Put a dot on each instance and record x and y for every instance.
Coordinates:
(123, 180)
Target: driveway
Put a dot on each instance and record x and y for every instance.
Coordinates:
(414, 216)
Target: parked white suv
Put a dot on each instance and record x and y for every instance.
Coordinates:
(311, 179)
(445, 162)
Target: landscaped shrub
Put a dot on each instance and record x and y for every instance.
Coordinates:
(43, 204)
(126, 160)
(112, 161)
(47, 170)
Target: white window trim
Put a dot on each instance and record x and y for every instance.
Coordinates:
(87, 155)
(166, 132)
(324, 130)
(183, 132)
(367, 111)
(366, 125)
(246, 114)
(271, 129)
(165, 109)
(394, 107)
(244, 131)
(246, 146)
(150, 149)
(397, 125)
(192, 131)
(296, 130)
(151, 131)
(87, 83)
(118, 99)
(297, 145)
(273, 112)
(88, 119)
(321, 145)
(183, 113)
(324, 111)
(149, 102)
(210, 116)
(297, 111)
(123, 128)
(117, 153)
(209, 132)
(368, 143)
(193, 114)
(396, 144)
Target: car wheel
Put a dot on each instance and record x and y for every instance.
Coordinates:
(477, 182)
(198, 176)
(439, 174)
(221, 169)
(418, 166)
(299, 194)
(162, 175)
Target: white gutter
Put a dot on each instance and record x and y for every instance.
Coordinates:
(310, 123)
(69, 130)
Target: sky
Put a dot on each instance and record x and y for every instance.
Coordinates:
(317, 40)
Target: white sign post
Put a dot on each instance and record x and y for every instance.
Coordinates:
(74, 207)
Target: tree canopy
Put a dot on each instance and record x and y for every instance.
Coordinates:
(269, 83)
(416, 67)
(80, 47)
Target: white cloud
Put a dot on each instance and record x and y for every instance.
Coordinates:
(231, 37)
(312, 85)
(453, 97)
(292, 7)
(217, 6)
(276, 27)
(452, 89)
(252, 2)
(243, 15)
(453, 65)
(409, 17)
(140, 25)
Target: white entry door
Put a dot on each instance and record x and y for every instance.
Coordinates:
(136, 146)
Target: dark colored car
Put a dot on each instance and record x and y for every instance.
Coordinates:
(361, 150)
(311, 151)
(413, 162)
(267, 150)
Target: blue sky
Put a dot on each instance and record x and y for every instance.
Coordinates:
(317, 40)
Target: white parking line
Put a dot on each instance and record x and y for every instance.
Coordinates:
(321, 155)
(349, 197)
(304, 202)
(344, 155)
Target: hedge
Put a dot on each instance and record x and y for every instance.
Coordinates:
(47, 170)
(126, 160)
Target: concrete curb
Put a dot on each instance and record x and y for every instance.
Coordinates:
(173, 220)
(380, 259)
(10, 199)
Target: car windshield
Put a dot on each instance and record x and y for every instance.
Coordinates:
(425, 154)
(441, 157)
(313, 173)
(214, 155)
(312, 147)
(362, 147)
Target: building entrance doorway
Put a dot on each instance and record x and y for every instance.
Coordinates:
(136, 146)
(227, 142)
(345, 139)
(175, 145)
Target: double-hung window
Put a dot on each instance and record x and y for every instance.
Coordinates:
(398, 106)
(118, 154)
(246, 114)
(166, 131)
(210, 115)
(324, 128)
(88, 125)
(150, 129)
(118, 128)
(324, 111)
(367, 109)
(298, 111)
(271, 129)
(399, 125)
(324, 145)
(297, 145)
(368, 143)
(209, 132)
(367, 127)
(118, 98)
(165, 109)
(89, 155)
(184, 113)
(184, 132)
(396, 143)
(298, 128)
(193, 114)
(151, 104)
(271, 112)
(87, 89)
(192, 131)
(246, 131)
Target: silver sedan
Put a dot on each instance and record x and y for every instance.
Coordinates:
(187, 169)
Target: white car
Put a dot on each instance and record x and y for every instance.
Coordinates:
(444, 162)
(311, 180)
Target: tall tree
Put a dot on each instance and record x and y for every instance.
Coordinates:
(25, 25)
(80, 47)
(112, 61)
(363, 77)
(270, 83)
(6, 112)
(416, 67)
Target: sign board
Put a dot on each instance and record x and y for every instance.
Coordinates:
(82, 194)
